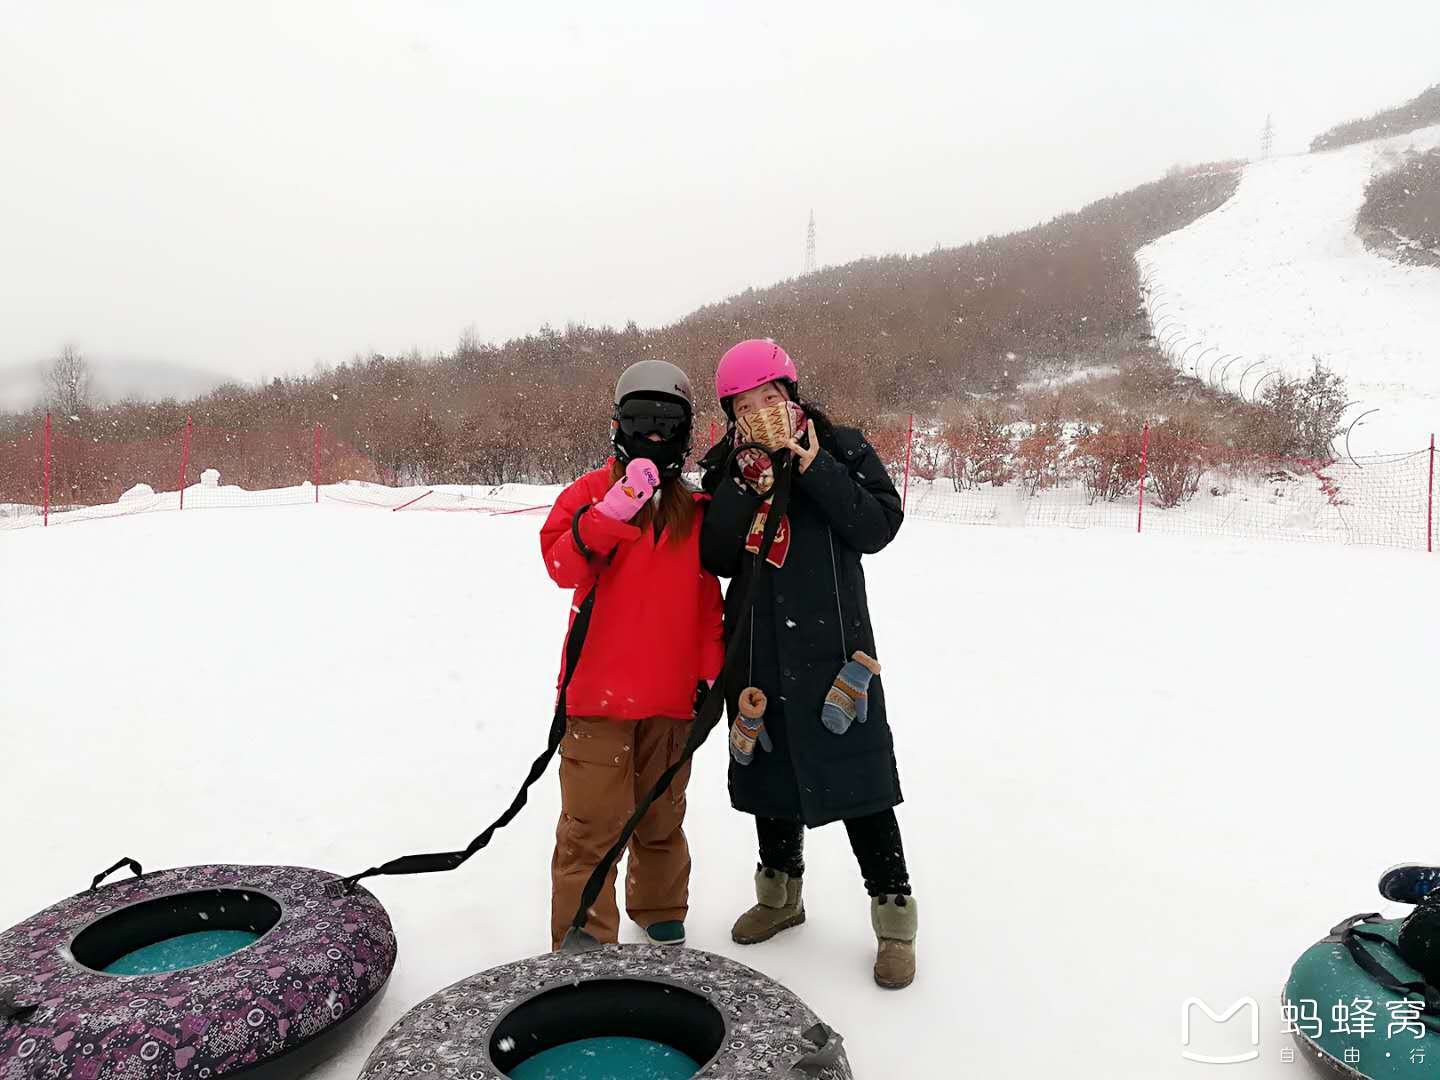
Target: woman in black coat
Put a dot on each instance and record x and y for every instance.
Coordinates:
(822, 751)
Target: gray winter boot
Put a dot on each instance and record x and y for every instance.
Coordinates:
(896, 920)
(780, 907)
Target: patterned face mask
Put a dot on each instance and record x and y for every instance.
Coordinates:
(772, 427)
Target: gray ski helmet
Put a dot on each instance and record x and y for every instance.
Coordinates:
(653, 397)
(655, 377)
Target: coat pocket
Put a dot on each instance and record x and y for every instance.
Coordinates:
(598, 741)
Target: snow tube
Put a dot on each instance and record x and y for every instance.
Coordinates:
(730, 1020)
(308, 963)
(1398, 1035)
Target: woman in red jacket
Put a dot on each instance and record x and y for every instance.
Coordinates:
(626, 538)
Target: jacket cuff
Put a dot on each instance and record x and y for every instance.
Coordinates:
(601, 533)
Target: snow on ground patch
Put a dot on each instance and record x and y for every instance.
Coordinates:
(1056, 376)
(1278, 275)
(1137, 769)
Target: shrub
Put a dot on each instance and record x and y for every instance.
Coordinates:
(1176, 459)
(1038, 455)
(957, 435)
(1107, 461)
(994, 446)
(1304, 417)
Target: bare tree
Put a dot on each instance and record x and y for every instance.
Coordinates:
(67, 383)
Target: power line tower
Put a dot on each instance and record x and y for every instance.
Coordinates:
(810, 245)
(1267, 138)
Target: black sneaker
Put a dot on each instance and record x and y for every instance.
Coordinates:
(670, 932)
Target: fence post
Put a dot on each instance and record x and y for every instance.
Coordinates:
(315, 464)
(46, 471)
(1144, 455)
(909, 444)
(1430, 501)
(185, 458)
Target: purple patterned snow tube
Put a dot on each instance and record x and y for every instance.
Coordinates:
(318, 961)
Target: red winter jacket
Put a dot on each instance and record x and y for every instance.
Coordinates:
(656, 628)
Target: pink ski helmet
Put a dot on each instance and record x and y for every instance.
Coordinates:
(753, 363)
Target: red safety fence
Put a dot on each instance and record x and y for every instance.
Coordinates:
(1155, 482)
(49, 476)
(1053, 475)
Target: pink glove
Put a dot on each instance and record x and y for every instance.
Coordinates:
(632, 491)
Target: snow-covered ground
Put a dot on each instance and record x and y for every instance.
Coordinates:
(1137, 770)
(1382, 502)
(1278, 275)
(142, 499)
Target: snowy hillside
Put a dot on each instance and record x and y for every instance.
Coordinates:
(1277, 276)
(1122, 790)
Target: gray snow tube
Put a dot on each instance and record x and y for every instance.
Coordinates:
(732, 1019)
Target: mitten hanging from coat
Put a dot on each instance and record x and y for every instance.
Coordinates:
(846, 701)
(749, 727)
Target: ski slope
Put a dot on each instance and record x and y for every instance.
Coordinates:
(1277, 276)
(1137, 770)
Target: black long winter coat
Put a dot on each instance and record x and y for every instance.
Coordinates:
(809, 616)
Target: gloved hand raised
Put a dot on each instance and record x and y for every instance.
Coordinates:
(628, 495)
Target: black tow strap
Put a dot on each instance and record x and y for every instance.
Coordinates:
(1351, 933)
(705, 719)
(438, 862)
(441, 861)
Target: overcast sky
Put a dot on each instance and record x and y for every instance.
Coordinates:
(251, 188)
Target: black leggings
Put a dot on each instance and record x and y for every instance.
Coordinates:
(874, 839)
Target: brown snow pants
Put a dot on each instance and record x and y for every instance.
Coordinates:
(606, 767)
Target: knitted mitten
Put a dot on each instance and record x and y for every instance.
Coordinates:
(846, 701)
(757, 471)
(749, 727)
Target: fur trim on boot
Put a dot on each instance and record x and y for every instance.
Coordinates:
(896, 920)
(779, 907)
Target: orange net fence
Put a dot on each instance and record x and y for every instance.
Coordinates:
(1149, 480)
(1065, 475)
(49, 476)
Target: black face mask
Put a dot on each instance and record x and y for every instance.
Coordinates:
(637, 418)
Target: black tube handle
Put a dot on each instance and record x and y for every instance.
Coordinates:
(826, 1055)
(131, 863)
